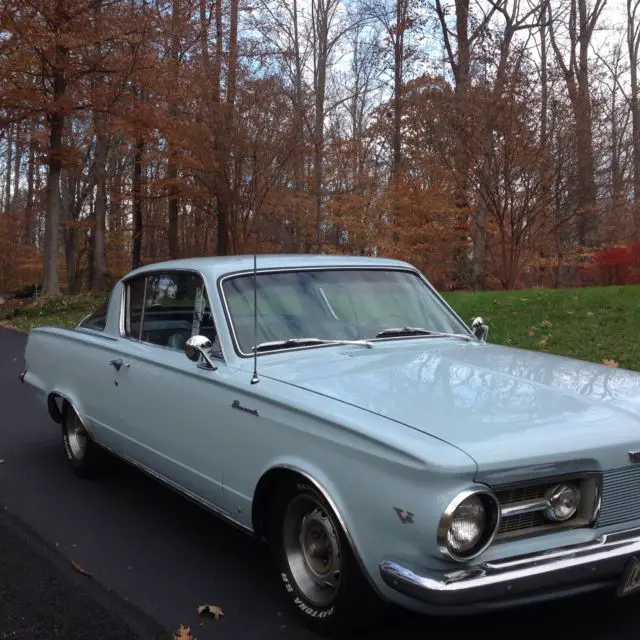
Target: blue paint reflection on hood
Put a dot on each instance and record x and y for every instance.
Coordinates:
(503, 406)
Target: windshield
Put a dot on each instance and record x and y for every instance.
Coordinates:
(334, 304)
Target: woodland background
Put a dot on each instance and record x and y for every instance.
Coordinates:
(492, 143)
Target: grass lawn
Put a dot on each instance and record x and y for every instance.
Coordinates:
(597, 323)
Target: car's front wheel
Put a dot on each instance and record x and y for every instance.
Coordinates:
(319, 571)
(84, 455)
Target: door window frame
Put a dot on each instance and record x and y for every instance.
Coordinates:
(217, 354)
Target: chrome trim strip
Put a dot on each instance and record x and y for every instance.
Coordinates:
(520, 508)
(445, 523)
(603, 559)
(407, 269)
(343, 524)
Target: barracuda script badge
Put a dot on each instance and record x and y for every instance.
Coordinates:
(634, 456)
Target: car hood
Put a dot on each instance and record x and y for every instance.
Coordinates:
(503, 406)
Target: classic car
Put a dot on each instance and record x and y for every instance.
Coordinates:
(338, 409)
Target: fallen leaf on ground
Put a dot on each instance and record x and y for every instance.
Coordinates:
(183, 633)
(546, 323)
(212, 609)
(610, 363)
(79, 569)
(530, 333)
(544, 340)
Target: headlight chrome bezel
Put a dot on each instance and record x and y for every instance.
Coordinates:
(492, 510)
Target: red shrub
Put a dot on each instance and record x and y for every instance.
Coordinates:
(614, 264)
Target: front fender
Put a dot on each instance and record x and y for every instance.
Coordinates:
(390, 506)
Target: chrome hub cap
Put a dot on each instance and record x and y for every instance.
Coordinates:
(312, 548)
(77, 437)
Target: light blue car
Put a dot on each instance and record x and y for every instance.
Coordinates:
(338, 409)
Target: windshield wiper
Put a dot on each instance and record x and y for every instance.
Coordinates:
(303, 342)
(418, 331)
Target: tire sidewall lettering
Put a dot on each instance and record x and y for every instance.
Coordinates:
(289, 583)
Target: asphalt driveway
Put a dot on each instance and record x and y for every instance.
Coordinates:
(154, 557)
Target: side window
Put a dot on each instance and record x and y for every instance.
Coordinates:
(97, 320)
(166, 309)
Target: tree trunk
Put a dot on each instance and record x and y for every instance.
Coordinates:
(29, 226)
(7, 179)
(99, 245)
(633, 43)
(17, 164)
(398, 64)
(136, 254)
(51, 282)
(172, 168)
(584, 149)
(321, 18)
(225, 194)
(69, 234)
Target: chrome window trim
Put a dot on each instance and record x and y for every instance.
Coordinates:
(125, 300)
(447, 515)
(408, 269)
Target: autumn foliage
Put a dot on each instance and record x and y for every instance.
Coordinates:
(135, 131)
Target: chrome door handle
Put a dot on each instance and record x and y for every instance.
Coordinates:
(118, 364)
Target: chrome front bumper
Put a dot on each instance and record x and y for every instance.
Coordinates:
(600, 560)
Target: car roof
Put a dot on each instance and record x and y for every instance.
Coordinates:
(217, 266)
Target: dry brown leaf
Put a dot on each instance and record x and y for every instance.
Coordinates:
(212, 609)
(544, 340)
(610, 363)
(79, 569)
(183, 633)
(546, 323)
(530, 333)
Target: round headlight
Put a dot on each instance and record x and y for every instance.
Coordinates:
(468, 525)
(564, 500)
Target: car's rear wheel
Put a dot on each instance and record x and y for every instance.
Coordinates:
(85, 457)
(317, 567)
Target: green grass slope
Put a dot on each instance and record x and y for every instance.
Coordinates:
(595, 323)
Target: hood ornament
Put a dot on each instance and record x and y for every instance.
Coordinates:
(634, 456)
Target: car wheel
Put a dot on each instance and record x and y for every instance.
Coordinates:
(84, 455)
(320, 573)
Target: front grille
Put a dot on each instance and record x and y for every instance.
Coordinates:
(525, 521)
(620, 496)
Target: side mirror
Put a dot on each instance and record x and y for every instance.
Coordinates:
(480, 329)
(199, 346)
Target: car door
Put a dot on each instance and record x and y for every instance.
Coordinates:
(167, 405)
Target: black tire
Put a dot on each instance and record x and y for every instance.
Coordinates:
(87, 460)
(351, 601)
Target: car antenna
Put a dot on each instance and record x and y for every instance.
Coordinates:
(254, 378)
